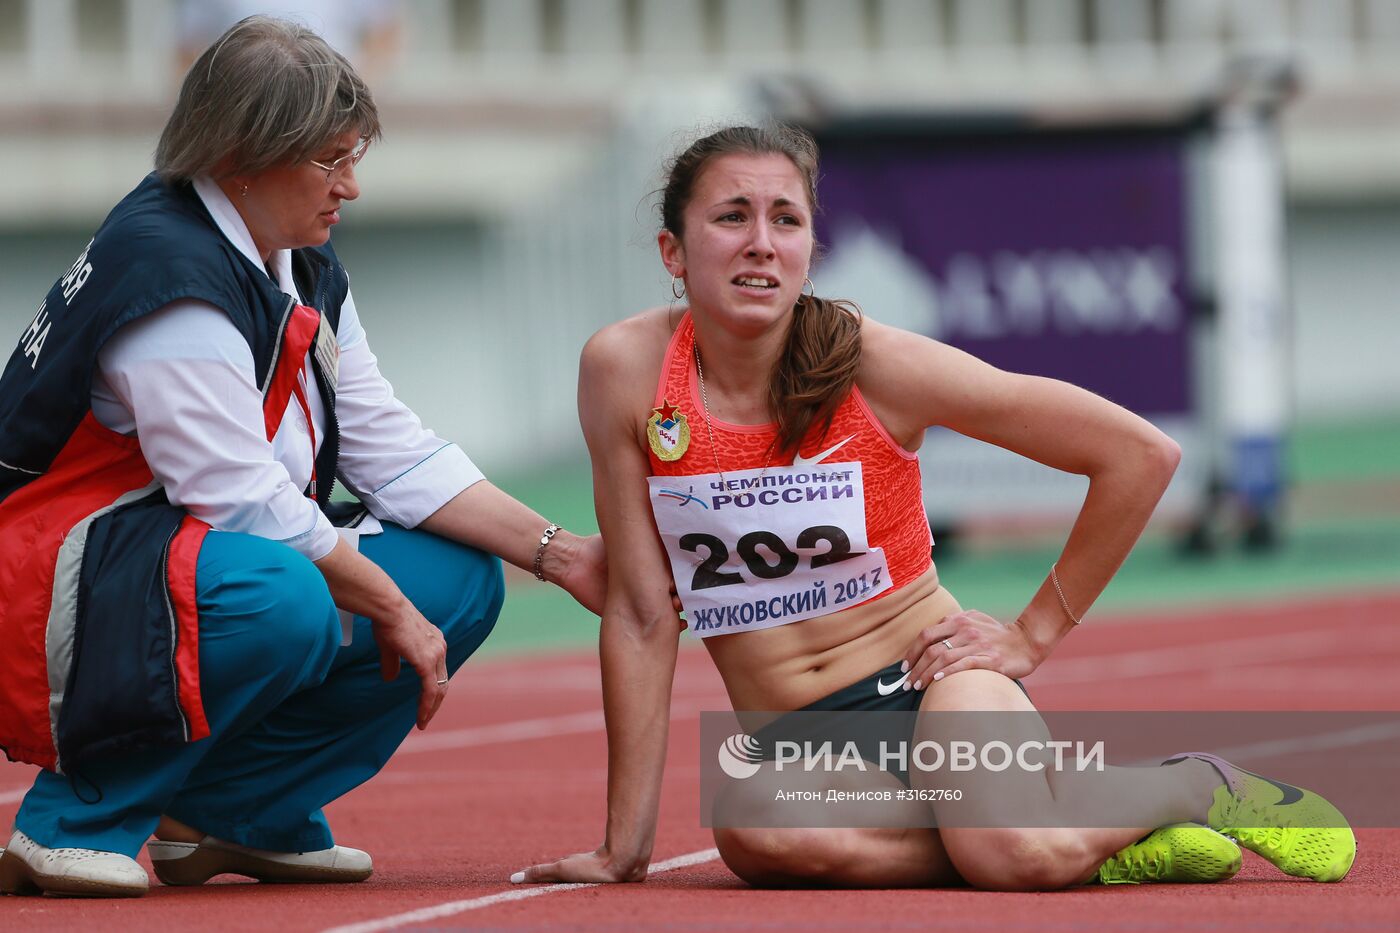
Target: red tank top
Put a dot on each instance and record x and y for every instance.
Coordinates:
(894, 505)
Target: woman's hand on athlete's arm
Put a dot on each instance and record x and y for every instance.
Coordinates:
(640, 626)
(914, 383)
(485, 517)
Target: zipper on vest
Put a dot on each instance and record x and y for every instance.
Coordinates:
(332, 436)
(174, 630)
(277, 345)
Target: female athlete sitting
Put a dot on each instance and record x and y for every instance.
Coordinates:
(708, 426)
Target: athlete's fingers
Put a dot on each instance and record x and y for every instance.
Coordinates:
(933, 660)
(569, 868)
(585, 866)
(920, 672)
(927, 638)
(536, 874)
(930, 659)
(941, 665)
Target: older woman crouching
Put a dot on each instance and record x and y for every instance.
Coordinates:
(171, 425)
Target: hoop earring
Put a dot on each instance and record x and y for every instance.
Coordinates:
(811, 291)
(678, 295)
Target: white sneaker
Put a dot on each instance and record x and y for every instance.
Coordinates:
(29, 868)
(185, 863)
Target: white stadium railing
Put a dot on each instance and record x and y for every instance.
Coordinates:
(123, 49)
(540, 124)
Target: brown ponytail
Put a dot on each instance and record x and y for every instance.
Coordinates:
(818, 365)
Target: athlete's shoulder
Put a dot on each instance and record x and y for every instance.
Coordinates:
(630, 350)
(621, 363)
(887, 354)
(632, 336)
(898, 368)
(880, 338)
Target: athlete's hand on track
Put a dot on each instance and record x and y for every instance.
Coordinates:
(977, 642)
(407, 635)
(595, 867)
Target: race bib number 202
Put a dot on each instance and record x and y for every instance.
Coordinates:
(757, 548)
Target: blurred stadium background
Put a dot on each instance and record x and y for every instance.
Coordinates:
(506, 215)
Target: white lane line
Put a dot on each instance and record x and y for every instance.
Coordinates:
(1357, 735)
(425, 914)
(545, 728)
(1272, 748)
(1217, 655)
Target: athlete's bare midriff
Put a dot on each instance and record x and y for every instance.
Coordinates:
(789, 666)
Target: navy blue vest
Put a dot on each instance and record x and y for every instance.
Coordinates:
(120, 689)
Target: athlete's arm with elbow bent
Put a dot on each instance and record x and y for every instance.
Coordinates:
(1127, 461)
(640, 626)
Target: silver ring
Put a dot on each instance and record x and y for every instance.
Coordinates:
(442, 683)
(947, 644)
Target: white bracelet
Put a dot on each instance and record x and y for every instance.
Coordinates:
(1064, 603)
(549, 533)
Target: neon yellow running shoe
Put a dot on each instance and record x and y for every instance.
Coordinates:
(1182, 853)
(1300, 832)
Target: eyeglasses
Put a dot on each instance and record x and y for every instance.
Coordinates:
(338, 167)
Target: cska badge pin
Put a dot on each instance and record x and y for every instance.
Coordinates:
(668, 432)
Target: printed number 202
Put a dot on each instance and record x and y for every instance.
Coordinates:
(708, 574)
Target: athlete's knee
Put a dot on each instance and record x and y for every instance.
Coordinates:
(1018, 859)
(746, 852)
(785, 857)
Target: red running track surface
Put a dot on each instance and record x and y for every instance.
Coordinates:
(513, 772)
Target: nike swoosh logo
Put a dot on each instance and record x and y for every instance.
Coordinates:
(1290, 793)
(801, 461)
(886, 689)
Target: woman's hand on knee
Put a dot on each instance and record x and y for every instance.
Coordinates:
(359, 585)
(408, 636)
(968, 640)
(595, 867)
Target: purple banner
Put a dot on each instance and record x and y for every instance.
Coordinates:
(1062, 258)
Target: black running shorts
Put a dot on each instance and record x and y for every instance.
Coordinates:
(882, 691)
